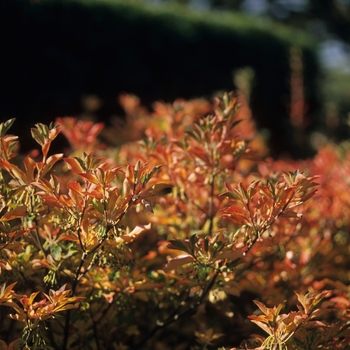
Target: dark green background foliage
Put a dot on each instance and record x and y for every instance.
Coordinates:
(56, 51)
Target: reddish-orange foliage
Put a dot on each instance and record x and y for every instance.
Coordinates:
(112, 247)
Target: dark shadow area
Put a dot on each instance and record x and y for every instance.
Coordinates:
(54, 52)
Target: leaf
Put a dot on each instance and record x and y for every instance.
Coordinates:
(308, 196)
(129, 237)
(178, 245)
(60, 300)
(75, 164)
(236, 214)
(262, 325)
(6, 293)
(199, 153)
(56, 252)
(147, 205)
(192, 243)
(155, 190)
(305, 301)
(5, 264)
(111, 174)
(231, 195)
(14, 171)
(252, 188)
(129, 174)
(265, 191)
(235, 123)
(5, 126)
(154, 170)
(68, 238)
(37, 264)
(19, 212)
(243, 193)
(265, 310)
(91, 178)
(228, 254)
(178, 261)
(76, 187)
(50, 162)
(44, 185)
(29, 166)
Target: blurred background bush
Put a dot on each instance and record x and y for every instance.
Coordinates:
(68, 57)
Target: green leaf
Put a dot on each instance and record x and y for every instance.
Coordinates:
(5, 126)
(56, 252)
(39, 133)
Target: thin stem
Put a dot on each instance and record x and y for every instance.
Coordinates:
(79, 227)
(32, 328)
(66, 330)
(50, 335)
(94, 327)
(267, 225)
(74, 286)
(78, 273)
(211, 205)
(184, 312)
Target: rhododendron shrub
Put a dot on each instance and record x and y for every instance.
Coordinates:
(174, 239)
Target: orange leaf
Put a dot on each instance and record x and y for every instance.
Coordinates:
(76, 187)
(74, 165)
(178, 261)
(13, 170)
(129, 237)
(90, 178)
(50, 162)
(19, 212)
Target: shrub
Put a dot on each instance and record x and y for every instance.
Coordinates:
(165, 241)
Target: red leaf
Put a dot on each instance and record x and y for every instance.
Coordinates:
(76, 187)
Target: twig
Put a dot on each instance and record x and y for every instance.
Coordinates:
(188, 310)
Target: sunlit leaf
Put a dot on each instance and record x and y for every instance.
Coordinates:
(129, 237)
(75, 164)
(5, 126)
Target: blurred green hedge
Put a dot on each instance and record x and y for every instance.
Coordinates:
(58, 50)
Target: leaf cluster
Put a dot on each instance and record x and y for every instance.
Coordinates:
(111, 248)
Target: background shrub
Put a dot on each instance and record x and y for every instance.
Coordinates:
(55, 52)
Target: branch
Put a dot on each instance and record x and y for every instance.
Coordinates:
(190, 309)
